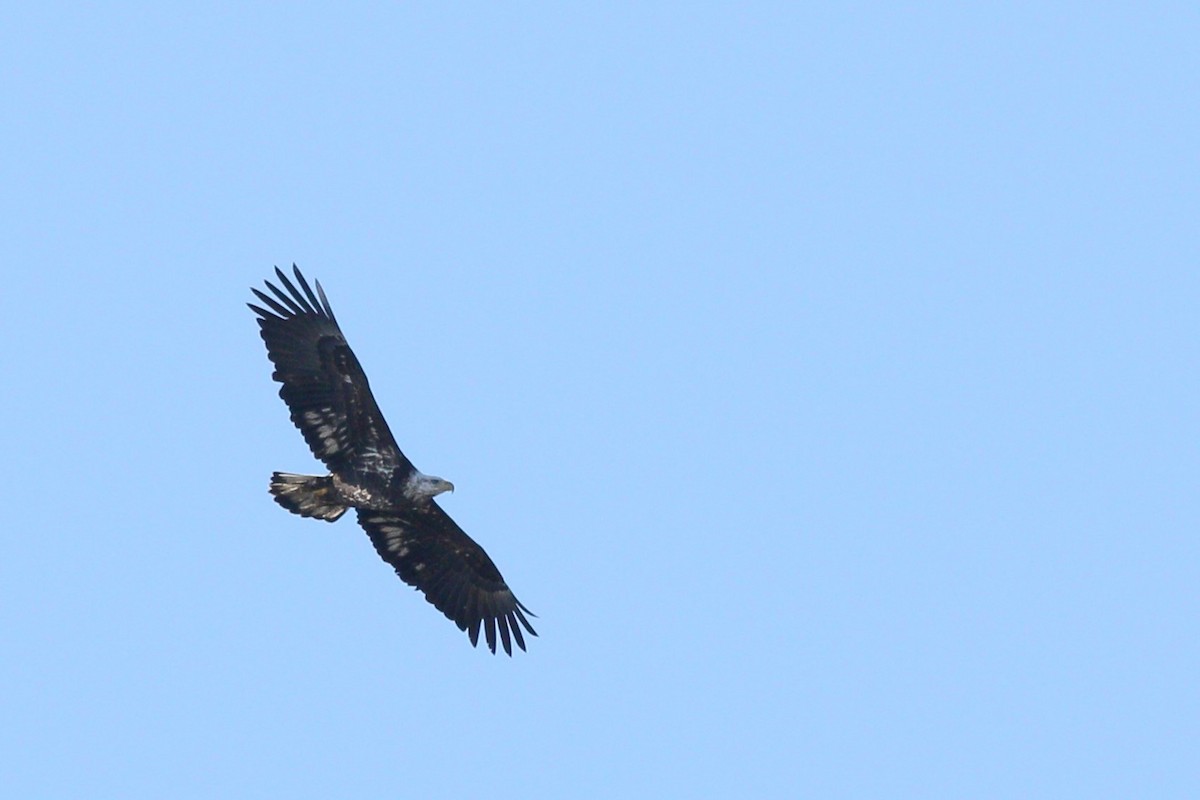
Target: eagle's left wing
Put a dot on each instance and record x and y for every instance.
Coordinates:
(432, 553)
(324, 386)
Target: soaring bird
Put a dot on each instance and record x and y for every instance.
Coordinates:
(331, 403)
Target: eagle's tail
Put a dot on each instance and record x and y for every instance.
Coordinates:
(307, 495)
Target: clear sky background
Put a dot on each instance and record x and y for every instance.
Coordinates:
(824, 378)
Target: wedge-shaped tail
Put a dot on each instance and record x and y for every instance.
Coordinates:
(307, 495)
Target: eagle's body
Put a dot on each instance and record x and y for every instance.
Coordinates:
(331, 403)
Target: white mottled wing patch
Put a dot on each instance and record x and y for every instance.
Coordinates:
(397, 539)
(327, 429)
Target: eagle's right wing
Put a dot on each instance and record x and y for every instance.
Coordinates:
(323, 384)
(431, 552)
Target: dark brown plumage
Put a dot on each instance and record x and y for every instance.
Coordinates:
(331, 403)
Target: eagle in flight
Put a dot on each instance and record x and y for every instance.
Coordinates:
(331, 403)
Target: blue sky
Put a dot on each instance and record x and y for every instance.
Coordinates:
(825, 379)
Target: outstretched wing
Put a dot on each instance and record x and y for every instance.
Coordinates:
(429, 551)
(323, 384)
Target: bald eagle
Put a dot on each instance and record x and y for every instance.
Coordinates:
(331, 403)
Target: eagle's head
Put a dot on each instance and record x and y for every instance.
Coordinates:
(421, 487)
